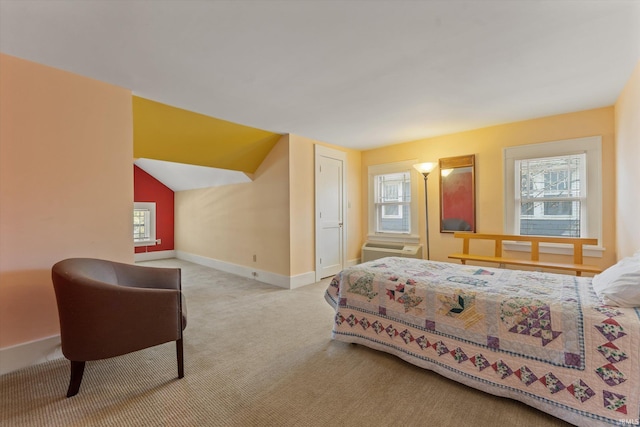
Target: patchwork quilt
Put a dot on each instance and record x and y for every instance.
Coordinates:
(541, 338)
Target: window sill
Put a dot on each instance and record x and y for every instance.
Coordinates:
(145, 243)
(555, 248)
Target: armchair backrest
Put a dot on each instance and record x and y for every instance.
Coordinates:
(87, 268)
(108, 309)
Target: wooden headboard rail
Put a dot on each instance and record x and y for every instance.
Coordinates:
(534, 259)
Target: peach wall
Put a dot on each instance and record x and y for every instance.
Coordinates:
(487, 144)
(627, 123)
(354, 204)
(232, 223)
(271, 217)
(66, 186)
(302, 160)
(302, 202)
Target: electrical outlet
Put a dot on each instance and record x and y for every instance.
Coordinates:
(158, 241)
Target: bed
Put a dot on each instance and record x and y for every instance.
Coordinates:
(541, 338)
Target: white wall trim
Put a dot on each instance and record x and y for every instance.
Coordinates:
(352, 262)
(279, 280)
(29, 353)
(301, 280)
(149, 256)
(42, 350)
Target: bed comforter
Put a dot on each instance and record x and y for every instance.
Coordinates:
(540, 338)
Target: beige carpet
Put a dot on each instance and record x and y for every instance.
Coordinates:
(255, 355)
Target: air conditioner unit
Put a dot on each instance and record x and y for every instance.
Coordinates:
(375, 250)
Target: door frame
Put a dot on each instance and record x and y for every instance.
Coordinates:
(322, 151)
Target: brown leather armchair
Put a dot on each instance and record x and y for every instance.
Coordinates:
(108, 309)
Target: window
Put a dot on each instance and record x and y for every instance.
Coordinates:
(551, 196)
(392, 215)
(546, 189)
(393, 200)
(144, 224)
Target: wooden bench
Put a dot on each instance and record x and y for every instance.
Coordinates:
(534, 260)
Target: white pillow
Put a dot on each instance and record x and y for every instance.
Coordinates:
(619, 285)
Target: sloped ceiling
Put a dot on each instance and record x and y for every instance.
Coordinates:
(171, 134)
(181, 176)
(186, 150)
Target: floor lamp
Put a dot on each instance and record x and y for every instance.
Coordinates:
(425, 169)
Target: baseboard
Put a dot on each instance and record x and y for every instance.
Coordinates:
(30, 353)
(279, 280)
(45, 349)
(149, 256)
(352, 262)
(302, 279)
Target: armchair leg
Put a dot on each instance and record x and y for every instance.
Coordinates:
(180, 355)
(77, 370)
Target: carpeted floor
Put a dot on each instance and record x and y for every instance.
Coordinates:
(255, 355)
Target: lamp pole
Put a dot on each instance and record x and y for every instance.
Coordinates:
(425, 169)
(426, 210)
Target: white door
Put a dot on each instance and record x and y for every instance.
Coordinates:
(330, 214)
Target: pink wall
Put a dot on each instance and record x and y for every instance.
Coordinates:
(148, 189)
(65, 186)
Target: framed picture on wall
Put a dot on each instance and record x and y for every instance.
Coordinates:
(457, 194)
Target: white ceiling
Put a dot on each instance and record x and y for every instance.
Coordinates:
(358, 74)
(180, 177)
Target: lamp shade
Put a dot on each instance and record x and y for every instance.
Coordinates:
(425, 168)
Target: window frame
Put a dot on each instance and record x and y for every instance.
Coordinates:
(590, 146)
(151, 207)
(390, 168)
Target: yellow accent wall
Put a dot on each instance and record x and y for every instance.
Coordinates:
(487, 144)
(66, 186)
(163, 132)
(627, 123)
